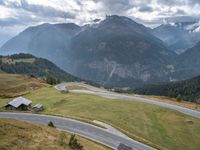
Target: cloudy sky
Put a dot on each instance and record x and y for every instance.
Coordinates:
(16, 15)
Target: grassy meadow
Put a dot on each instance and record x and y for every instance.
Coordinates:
(156, 126)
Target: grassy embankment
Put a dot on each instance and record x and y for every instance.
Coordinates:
(18, 135)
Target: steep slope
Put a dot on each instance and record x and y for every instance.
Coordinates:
(188, 90)
(187, 66)
(190, 59)
(119, 51)
(47, 40)
(31, 65)
(4, 38)
(179, 36)
(188, 63)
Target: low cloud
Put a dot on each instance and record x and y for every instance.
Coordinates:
(149, 12)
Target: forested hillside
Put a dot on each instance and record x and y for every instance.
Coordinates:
(188, 90)
(31, 65)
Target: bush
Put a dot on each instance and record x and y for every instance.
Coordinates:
(63, 139)
(74, 144)
(178, 98)
(51, 80)
(50, 124)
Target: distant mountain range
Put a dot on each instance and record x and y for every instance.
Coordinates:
(179, 36)
(116, 51)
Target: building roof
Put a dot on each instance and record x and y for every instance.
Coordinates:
(123, 147)
(38, 106)
(19, 101)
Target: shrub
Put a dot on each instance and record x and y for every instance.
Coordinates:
(50, 124)
(178, 98)
(74, 144)
(63, 139)
(51, 80)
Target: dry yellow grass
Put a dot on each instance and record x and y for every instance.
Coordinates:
(18, 135)
(13, 85)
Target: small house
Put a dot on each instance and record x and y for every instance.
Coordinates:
(38, 107)
(19, 103)
(123, 147)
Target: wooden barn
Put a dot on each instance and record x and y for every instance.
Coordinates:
(19, 103)
(38, 107)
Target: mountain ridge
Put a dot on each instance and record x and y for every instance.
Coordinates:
(179, 36)
(116, 51)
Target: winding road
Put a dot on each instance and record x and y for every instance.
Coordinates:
(100, 135)
(113, 95)
(89, 131)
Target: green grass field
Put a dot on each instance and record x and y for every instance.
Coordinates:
(13, 61)
(156, 126)
(18, 135)
(27, 60)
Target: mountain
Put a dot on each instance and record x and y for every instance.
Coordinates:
(116, 51)
(187, 66)
(47, 40)
(4, 38)
(179, 36)
(31, 65)
(188, 90)
(119, 51)
(189, 61)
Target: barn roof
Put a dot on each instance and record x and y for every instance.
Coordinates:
(38, 106)
(19, 101)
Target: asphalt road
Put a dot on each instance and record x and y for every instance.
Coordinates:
(89, 131)
(112, 95)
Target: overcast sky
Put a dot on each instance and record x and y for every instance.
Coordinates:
(15, 15)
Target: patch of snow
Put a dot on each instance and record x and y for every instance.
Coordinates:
(193, 27)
